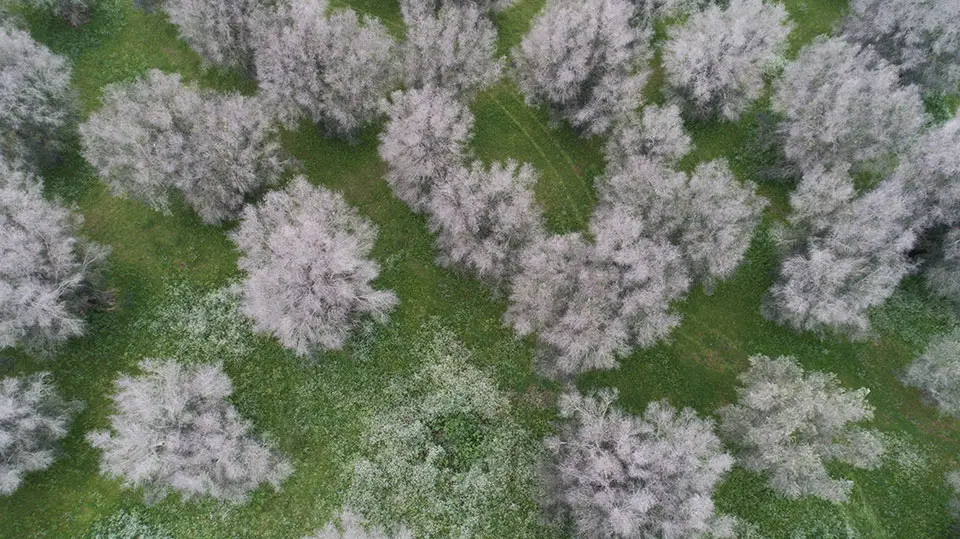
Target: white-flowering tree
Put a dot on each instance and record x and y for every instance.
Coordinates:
(931, 171)
(943, 275)
(586, 61)
(485, 217)
(233, 151)
(589, 304)
(843, 104)
(709, 216)
(953, 481)
(349, 525)
(33, 418)
(658, 134)
(222, 32)
(174, 430)
(917, 35)
(424, 142)
(830, 280)
(156, 135)
(36, 102)
(821, 198)
(937, 373)
(788, 424)
(487, 6)
(47, 274)
(74, 12)
(655, 230)
(453, 48)
(444, 455)
(721, 216)
(648, 10)
(716, 60)
(332, 69)
(136, 140)
(306, 254)
(618, 475)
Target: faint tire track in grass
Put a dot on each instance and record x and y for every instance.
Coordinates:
(571, 206)
(560, 150)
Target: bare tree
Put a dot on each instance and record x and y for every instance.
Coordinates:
(485, 217)
(424, 142)
(589, 303)
(136, 140)
(937, 373)
(788, 424)
(452, 49)
(47, 274)
(306, 254)
(648, 10)
(708, 216)
(619, 475)
(931, 172)
(830, 280)
(332, 69)
(943, 274)
(916, 35)
(586, 61)
(658, 134)
(174, 430)
(232, 151)
(349, 525)
(33, 418)
(716, 60)
(157, 135)
(36, 102)
(487, 6)
(820, 199)
(222, 32)
(844, 105)
(953, 481)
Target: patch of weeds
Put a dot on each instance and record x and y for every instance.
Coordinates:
(825, 529)
(126, 524)
(445, 455)
(912, 315)
(907, 460)
(195, 326)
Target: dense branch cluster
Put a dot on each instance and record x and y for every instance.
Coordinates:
(937, 373)
(223, 32)
(717, 59)
(914, 34)
(47, 273)
(852, 258)
(156, 135)
(789, 423)
(844, 105)
(33, 418)
(332, 69)
(619, 475)
(424, 142)
(586, 61)
(452, 48)
(306, 254)
(36, 102)
(174, 430)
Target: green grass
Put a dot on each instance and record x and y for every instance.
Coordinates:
(315, 412)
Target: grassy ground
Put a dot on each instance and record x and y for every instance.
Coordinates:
(314, 412)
